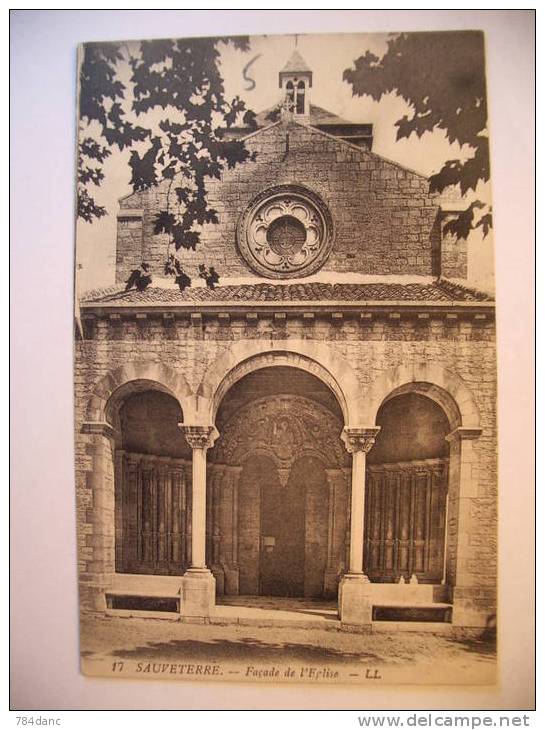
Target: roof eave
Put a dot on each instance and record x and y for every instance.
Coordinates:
(295, 307)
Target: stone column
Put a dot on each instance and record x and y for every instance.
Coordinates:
(354, 595)
(97, 575)
(198, 584)
(119, 489)
(463, 548)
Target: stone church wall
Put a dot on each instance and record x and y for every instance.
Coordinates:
(384, 219)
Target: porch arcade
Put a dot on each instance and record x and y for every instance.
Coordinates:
(280, 495)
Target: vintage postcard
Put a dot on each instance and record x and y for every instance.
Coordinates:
(285, 364)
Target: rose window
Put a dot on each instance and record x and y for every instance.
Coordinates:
(285, 234)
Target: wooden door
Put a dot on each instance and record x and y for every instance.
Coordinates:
(405, 517)
(282, 539)
(152, 515)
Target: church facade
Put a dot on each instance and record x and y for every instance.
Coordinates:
(320, 424)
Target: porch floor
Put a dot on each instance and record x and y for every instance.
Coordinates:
(276, 608)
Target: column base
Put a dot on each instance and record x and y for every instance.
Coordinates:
(355, 607)
(198, 593)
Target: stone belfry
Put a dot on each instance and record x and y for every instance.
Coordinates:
(295, 80)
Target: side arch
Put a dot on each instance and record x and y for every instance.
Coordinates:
(131, 377)
(319, 360)
(432, 380)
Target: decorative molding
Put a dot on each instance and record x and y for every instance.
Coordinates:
(415, 465)
(174, 462)
(359, 439)
(283, 475)
(98, 427)
(130, 213)
(366, 309)
(199, 437)
(464, 434)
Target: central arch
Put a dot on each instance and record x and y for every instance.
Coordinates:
(279, 528)
(317, 359)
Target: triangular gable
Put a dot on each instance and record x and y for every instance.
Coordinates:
(338, 142)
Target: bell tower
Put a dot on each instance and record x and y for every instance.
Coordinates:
(295, 80)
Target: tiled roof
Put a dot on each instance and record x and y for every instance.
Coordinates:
(320, 116)
(439, 291)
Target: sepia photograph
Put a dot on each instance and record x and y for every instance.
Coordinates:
(285, 360)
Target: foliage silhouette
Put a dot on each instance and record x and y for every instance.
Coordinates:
(441, 76)
(186, 147)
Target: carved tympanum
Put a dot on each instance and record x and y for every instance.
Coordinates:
(285, 427)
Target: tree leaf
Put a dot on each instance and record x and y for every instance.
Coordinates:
(163, 222)
(440, 75)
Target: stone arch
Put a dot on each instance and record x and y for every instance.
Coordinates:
(113, 387)
(432, 380)
(317, 359)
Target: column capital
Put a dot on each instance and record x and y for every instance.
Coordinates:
(199, 437)
(360, 438)
(463, 434)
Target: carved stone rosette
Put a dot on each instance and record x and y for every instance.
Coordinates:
(200, 437)
(285, 232)
(359, 439)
